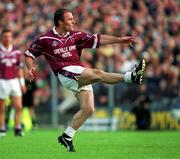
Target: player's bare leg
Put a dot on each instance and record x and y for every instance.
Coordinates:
(17, 104)
(90, 76)
(86, 100)
(2, 117)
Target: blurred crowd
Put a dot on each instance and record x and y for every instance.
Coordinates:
(155, 24)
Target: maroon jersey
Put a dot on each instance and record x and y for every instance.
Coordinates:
(61, 51)
(9, 62)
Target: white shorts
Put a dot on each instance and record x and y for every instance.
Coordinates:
(71, 83)
(9, 87)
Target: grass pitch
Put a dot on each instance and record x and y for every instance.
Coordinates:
(42, 144)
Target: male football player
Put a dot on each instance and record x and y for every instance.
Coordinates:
(62, 47)
(12, 82)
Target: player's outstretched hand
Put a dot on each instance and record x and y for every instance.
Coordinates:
(128, 40)
(31, 74)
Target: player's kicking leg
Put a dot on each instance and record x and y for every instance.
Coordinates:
(90, 76)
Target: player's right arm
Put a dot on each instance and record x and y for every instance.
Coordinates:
(33, 51)
(31, 73)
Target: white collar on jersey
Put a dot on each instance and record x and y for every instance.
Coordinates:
(55, 32)
(9, 49)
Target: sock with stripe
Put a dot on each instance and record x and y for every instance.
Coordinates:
(69, 133)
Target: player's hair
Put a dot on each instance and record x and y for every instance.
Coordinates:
(5, 30)
(59, 15)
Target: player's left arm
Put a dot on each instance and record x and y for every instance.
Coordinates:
(107, 39)
(20, 75)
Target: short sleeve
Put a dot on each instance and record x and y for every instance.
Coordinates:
(34, 50)
(88, 40)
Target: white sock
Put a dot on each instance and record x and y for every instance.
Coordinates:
(18, 127)
(127, 77)
(3, 128)
(70, 132)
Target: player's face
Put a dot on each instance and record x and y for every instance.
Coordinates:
(69, 21)
(7, 38)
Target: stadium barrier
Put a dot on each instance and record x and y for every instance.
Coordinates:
(124, 120)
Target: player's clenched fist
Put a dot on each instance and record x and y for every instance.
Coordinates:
(31, 73)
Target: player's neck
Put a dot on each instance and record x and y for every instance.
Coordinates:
(7, 47)
(61, 32)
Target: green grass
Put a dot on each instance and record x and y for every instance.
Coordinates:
(42, 144)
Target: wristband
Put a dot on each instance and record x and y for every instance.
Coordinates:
(22, 81)
(127, 77)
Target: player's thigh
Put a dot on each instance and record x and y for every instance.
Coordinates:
(16, 102)
(86, 100)
(4, 92)
(90, 76)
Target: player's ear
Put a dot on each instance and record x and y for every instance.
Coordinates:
(60, 22)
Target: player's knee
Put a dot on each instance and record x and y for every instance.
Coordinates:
(91, 110)
(18, 108)
(88, 111)
(98, 74)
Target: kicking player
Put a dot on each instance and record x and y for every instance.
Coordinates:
(62, 47)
